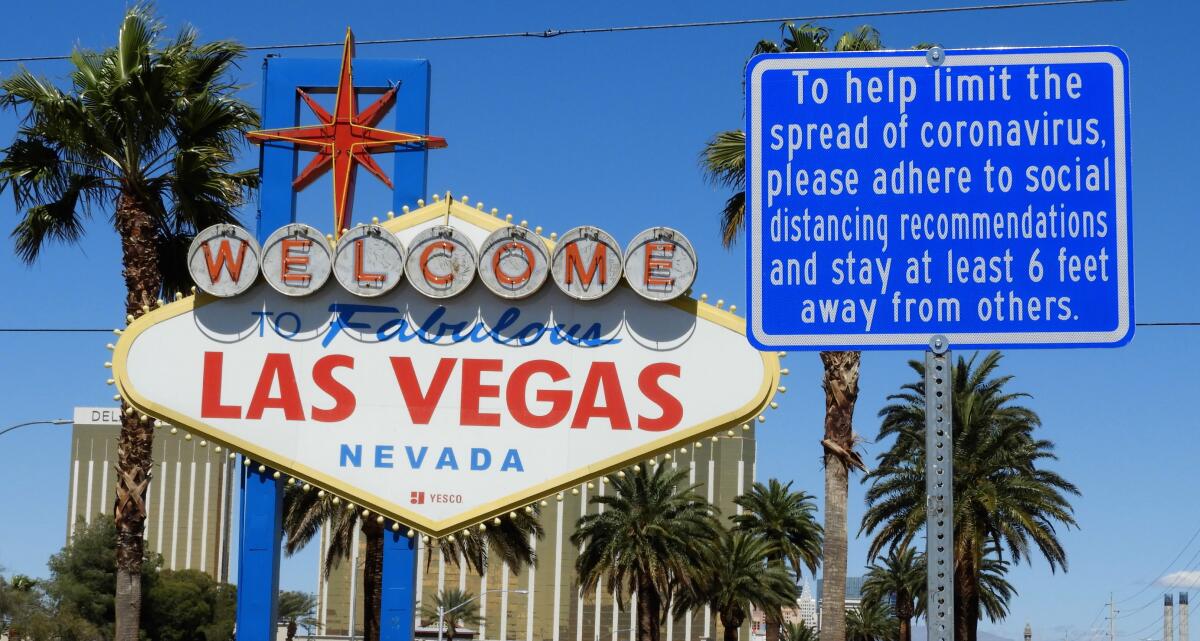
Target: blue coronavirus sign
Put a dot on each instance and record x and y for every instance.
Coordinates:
(983, 195)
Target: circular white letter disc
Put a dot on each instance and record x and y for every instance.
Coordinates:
(513, 262)
(223, 260)
(586, 263)
(368, 260)
(296, 260)
(441, 262)
(660, 264)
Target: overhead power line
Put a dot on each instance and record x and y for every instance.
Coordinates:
(555, 33)
(79, 330)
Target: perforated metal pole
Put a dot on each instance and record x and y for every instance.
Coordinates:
(939, 494)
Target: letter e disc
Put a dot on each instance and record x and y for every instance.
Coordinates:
(660, 264)
(513, 262)
(223, 260)
(586, 263)
(296, 260)
(441, 262)
(368, 261)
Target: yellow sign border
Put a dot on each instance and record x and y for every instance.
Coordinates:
(395, 511)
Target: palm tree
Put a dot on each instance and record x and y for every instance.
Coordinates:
(653, 532)
(798, 631)
(305, 511)
(870, 621)
(451, 608)
(736, 577)
(786, 521)
(297, 609)
(150, 129)
(1003, 500)
(724, 161)
(899, 577)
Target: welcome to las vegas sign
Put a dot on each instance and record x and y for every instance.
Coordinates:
(444, 367)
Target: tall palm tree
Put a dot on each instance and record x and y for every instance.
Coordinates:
(736, 577)
(148, 128)
(306, 511)
(870, 621)
(1004, 501)
(786, 521)
(653, 532)
(900, 578)
(454, 608)
(724, 161)
(297, 609)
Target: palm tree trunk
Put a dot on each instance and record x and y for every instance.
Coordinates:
(649, 611)
(966, 598)
(841, 393)
(291, 629)
(905, 629)
(135, 446)
(373, 580)
(730, 630)
(772, 628)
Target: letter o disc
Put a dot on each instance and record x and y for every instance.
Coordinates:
(514, 262)
(441, 262)
(223, 260)
(586, 263)
(368, 261)
(296, 260)
(660, 264)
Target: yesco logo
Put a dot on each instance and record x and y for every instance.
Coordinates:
(586, 263)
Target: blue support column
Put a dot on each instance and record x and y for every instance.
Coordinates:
(259, 539)
(397, 613)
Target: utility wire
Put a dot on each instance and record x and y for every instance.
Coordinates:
(554, 33)
(35, 330)
(1165, 569)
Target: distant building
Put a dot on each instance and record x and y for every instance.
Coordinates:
(805, 611)
(188, 503)
(553, 610)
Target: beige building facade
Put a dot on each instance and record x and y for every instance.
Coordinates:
(188, 502)
(553, 608)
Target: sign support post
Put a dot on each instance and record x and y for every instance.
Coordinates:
(939, 490)
(397, 613)
(259, 537)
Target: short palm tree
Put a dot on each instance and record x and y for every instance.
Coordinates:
(146, 133)
(724, 161)
(870, 621)
(786, 521)
(297, 609)
(653, 532)
(452, 608)
(1005, 501)
(798, 631)
(306, 511)
(898, 577)
(735, 578)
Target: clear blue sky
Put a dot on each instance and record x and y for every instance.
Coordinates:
(605, 130)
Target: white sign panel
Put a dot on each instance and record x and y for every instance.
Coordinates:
(442, 413)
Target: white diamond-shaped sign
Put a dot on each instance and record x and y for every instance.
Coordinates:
(440, 413)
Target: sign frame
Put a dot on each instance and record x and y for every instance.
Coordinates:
(394, 508)
(1123, 194)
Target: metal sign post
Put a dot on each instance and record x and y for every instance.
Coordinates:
(939, 491)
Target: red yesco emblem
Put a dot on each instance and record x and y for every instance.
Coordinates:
(345, 139)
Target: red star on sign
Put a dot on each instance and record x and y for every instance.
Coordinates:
(346, 139)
